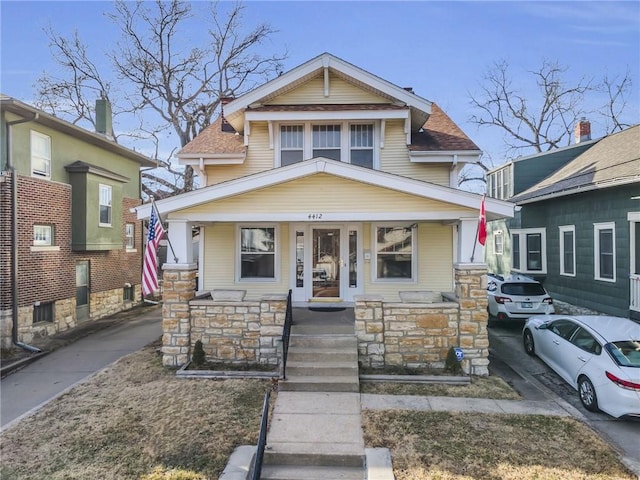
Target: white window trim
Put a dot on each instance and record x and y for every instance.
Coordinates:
(497, 234)
(345, 139)
(523, 249)
(34, 172)
(597, 227)
(276, 254)
(414, 254)
(102, 186)
(562, 229)
(130, 248)
(46, 243)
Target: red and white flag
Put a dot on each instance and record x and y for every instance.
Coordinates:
(482, 224)
(150, 264)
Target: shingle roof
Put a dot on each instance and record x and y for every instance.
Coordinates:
(439, 133)
(614, 160)
(212, 140)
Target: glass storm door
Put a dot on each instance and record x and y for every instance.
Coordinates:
(326, 263)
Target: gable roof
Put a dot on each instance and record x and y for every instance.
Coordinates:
(420, 107)
(494, 208)
(10, 104)
(614, 160)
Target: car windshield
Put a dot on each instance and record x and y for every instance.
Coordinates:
(626, 352)
(529, 289)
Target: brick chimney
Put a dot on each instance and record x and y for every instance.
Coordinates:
(582, 131)
(226, 127)
(103, 118)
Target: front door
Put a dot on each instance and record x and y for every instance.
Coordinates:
(326, 263)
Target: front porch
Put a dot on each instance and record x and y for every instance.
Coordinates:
(390, 333)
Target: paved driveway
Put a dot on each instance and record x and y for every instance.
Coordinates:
(623, 434)
(53, 374)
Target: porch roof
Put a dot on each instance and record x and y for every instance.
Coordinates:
(495, 209)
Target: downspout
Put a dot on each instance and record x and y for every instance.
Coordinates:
(14, 236)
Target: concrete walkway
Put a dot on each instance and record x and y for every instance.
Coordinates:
(39, 382)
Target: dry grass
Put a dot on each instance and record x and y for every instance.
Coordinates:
(480, 387)
(448, 446)
(134, 419)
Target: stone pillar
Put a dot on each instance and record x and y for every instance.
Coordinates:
(369, 329)
(273, 309)
(179, 286)
(471, 291)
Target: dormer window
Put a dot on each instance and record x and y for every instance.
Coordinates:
(344, 141)
(326, 141)
(291, 144)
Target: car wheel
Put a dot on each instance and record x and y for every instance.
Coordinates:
(587, 394)
(491, 320)
(529, 345)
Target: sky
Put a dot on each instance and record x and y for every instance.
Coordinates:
(442, 49)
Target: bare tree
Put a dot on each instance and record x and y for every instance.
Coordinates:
(163, 83)
(544, 118)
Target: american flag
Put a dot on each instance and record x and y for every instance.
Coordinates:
(150, 264)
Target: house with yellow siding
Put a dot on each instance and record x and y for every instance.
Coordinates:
(331, 183)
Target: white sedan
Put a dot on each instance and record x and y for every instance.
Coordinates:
(599, 356)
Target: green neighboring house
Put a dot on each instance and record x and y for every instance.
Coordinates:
(577, 229)
(70, 247)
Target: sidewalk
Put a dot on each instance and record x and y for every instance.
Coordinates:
(37, 379)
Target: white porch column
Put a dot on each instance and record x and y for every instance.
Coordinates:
(467, 240)
(181, 240)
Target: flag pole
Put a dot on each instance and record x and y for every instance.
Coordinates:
(473, 252)
(153, 205)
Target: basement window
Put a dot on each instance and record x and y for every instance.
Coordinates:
(43, 312)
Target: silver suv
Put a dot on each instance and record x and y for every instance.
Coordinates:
(515, 297)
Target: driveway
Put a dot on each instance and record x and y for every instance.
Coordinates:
(51, 375)
(506, 352)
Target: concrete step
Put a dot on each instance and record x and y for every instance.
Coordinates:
(322, 354)
(331, 341)
(311, 369)
(314, 455)
(292, 472)
(342, 383)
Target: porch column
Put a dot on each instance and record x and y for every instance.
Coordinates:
(467, 240)
(471, 291)
(180, 249)
(179, 286)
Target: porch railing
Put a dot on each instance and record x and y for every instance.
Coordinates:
(262, 438)
(286, 333)
(634, 292)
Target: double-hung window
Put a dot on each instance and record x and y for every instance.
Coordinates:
(395, 253)
(361, 145)
(105, 205)
(528, 250)
(129, 233)
(257, 253)
(343, 141)
(291, 144)
(498, 242)
(40, 154)
(604, 240)
(568, 250)
(326, 141)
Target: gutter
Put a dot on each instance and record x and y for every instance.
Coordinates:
(14, 236)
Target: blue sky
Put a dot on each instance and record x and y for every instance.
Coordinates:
(441, 49)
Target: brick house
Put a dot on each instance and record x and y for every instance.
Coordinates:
(70, 248)
(341, 187)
